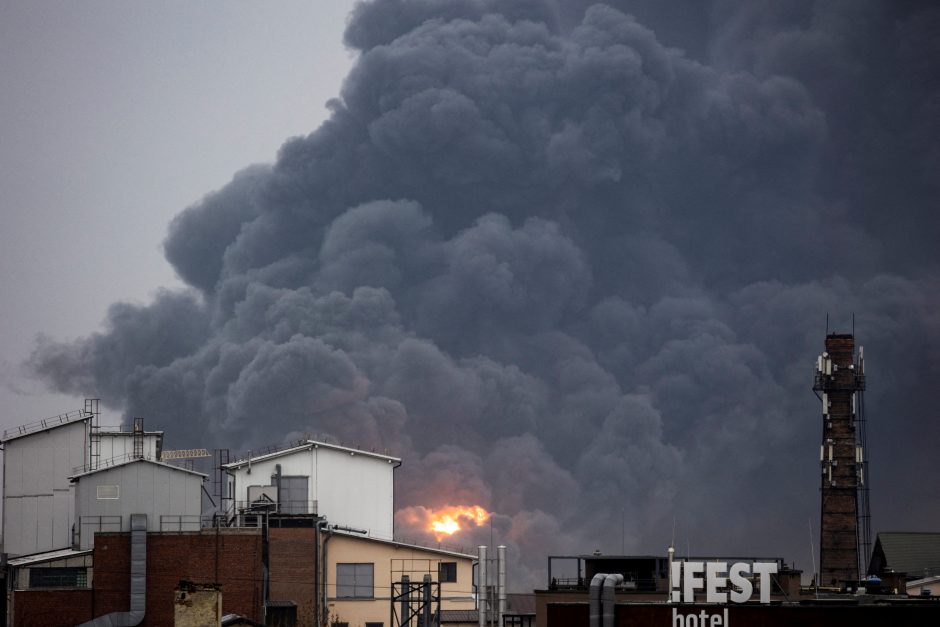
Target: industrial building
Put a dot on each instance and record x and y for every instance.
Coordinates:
(38, 460)
(608, 591)
(105, 529)
(353, 488)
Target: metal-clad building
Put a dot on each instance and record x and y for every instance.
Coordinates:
(37, 497)
(351, 487)
(118, 444)
(105, 498)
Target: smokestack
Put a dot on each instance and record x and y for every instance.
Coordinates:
(501, 581)
(841, 384)
(482, 600)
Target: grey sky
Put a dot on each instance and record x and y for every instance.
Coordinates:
(116, 115)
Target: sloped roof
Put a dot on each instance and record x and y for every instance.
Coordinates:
(48, 556)
(125, 460)
(403, 545)
(46, 424)
(306, 446)
(914, 553)
(459, 616)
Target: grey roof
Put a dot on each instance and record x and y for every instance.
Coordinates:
(459, 616)
(48, 556)
(46, 424)
(309, 444)
(134, 460)
(914, 553)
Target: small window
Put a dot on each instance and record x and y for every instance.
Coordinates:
(375, 624)
(447, 572)
(109, 492)
(76, 577)
(354, 581)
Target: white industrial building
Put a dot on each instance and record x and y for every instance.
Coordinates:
(105, 498)
(39, 458)
(353, 488)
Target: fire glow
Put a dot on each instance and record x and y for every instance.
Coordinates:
(446, 521)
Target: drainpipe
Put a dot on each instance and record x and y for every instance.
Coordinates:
(138, 581)
(324, 526)
(277, 484)
(594, 596)
(609, 601)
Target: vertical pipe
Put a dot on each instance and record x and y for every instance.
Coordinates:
(405, 619)
(426, 601)
(594, 599)
(672, 554)
(501, 582)
(481, 586)
(609, 599)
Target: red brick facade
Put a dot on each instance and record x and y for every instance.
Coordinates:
(44, 608)
(231, 558)
(292, 560)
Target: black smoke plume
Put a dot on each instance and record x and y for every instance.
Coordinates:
(573, 263)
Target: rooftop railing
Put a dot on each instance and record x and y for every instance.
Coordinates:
(47, 423)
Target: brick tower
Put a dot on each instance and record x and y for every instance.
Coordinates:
(839, 382)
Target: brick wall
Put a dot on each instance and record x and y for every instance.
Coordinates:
(42, 608)
(292, 559)
(231, 558)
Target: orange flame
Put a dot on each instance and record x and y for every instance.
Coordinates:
(445, 521)
(449, 520)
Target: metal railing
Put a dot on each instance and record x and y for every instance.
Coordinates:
(47, 423)
(107, 463)
(284, 507)
(824, 383)
(180, 522)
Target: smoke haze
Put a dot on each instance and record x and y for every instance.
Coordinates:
(573, 263)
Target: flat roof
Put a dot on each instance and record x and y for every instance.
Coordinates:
(307, 445)
(48, 556)
(134, 460)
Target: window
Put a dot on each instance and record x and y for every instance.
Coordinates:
(447, 572)
(109, 492)
(354, 581)
(375, 624)
(75, 577)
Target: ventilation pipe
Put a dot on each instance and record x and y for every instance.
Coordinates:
(138, 581)
(594, 594)
(481, 587)
(501, 582)
(609, 600)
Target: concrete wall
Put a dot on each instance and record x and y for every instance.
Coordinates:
(37, 498)
(351, 489)
(143, 487)
(390, 563)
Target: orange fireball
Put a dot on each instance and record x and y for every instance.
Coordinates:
(445, 521)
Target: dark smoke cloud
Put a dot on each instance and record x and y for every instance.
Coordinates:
(573, 264)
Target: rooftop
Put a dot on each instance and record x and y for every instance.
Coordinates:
(300, 445)
(45, 424)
